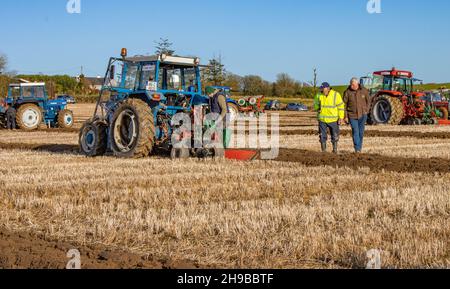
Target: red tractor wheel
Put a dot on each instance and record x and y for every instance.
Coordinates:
(387, 110)
(444, 113)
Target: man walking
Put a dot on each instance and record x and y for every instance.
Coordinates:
(357, 104)
(331, 113)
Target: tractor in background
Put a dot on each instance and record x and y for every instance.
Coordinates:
(251, 105)
(436, 100)
(394, 100)
(139, 101)
(33, 107)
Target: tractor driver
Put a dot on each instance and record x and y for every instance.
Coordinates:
(218, 104)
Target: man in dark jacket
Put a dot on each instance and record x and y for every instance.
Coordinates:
(218, 104)
(11, 118)
(357, 105)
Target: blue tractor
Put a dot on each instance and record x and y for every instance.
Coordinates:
(33, 107)
(137, 103)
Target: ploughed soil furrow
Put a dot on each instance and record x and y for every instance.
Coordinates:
(377, 133)
(376, 163)
(53, 148)
(27, 251)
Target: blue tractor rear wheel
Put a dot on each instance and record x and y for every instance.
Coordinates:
(29, 116)
(132, 130)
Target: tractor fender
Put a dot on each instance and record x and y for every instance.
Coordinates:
(232, 101)
(18, 104)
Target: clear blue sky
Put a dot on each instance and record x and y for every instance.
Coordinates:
(263, 37)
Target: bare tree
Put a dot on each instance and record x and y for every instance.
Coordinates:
(3, 63)
(315, 80)
(164, 46)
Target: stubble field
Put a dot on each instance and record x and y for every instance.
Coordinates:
(304, 209)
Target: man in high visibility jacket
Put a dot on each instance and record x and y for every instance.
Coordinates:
(331, 114)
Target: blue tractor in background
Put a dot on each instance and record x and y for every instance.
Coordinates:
(33, 107)
(137, 102)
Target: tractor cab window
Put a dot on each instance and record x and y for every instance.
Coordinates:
(122, 75)
(373, 84)
(387, 83)
(27, 91)
(114, 78)
(190, 76)
(147, 78)
(171, 78)
(15, 92)
(130, 75)
(437, 97)
(39, 92)
(403, 85)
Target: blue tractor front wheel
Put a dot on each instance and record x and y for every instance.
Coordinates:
(65, 119)
(92, 139)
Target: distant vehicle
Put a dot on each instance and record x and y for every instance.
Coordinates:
(436, 100)
(273, 105)
(68, 98)
(35, 108)
(296, 107)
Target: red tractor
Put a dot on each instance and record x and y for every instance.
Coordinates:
(394, 100)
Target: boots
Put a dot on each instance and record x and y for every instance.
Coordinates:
(324, 147)
(335, 148)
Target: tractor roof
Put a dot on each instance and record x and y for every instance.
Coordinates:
(167, 59)
(394, 72)
(29, 84)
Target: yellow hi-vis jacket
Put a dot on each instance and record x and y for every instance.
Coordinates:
(331, 108)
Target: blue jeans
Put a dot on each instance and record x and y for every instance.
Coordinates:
(334, 130)
(358, 128)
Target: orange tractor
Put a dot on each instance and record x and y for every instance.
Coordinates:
(395, 101)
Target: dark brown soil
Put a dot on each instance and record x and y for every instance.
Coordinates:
(53, 148)
(376, 163)
(26, 251)
(377, 133)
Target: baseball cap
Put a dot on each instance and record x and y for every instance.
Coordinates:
(325, 85)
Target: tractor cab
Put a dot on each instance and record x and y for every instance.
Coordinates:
(396, 82)
(24, 92)
(171, 80)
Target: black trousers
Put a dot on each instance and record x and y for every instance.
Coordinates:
(10, 122)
